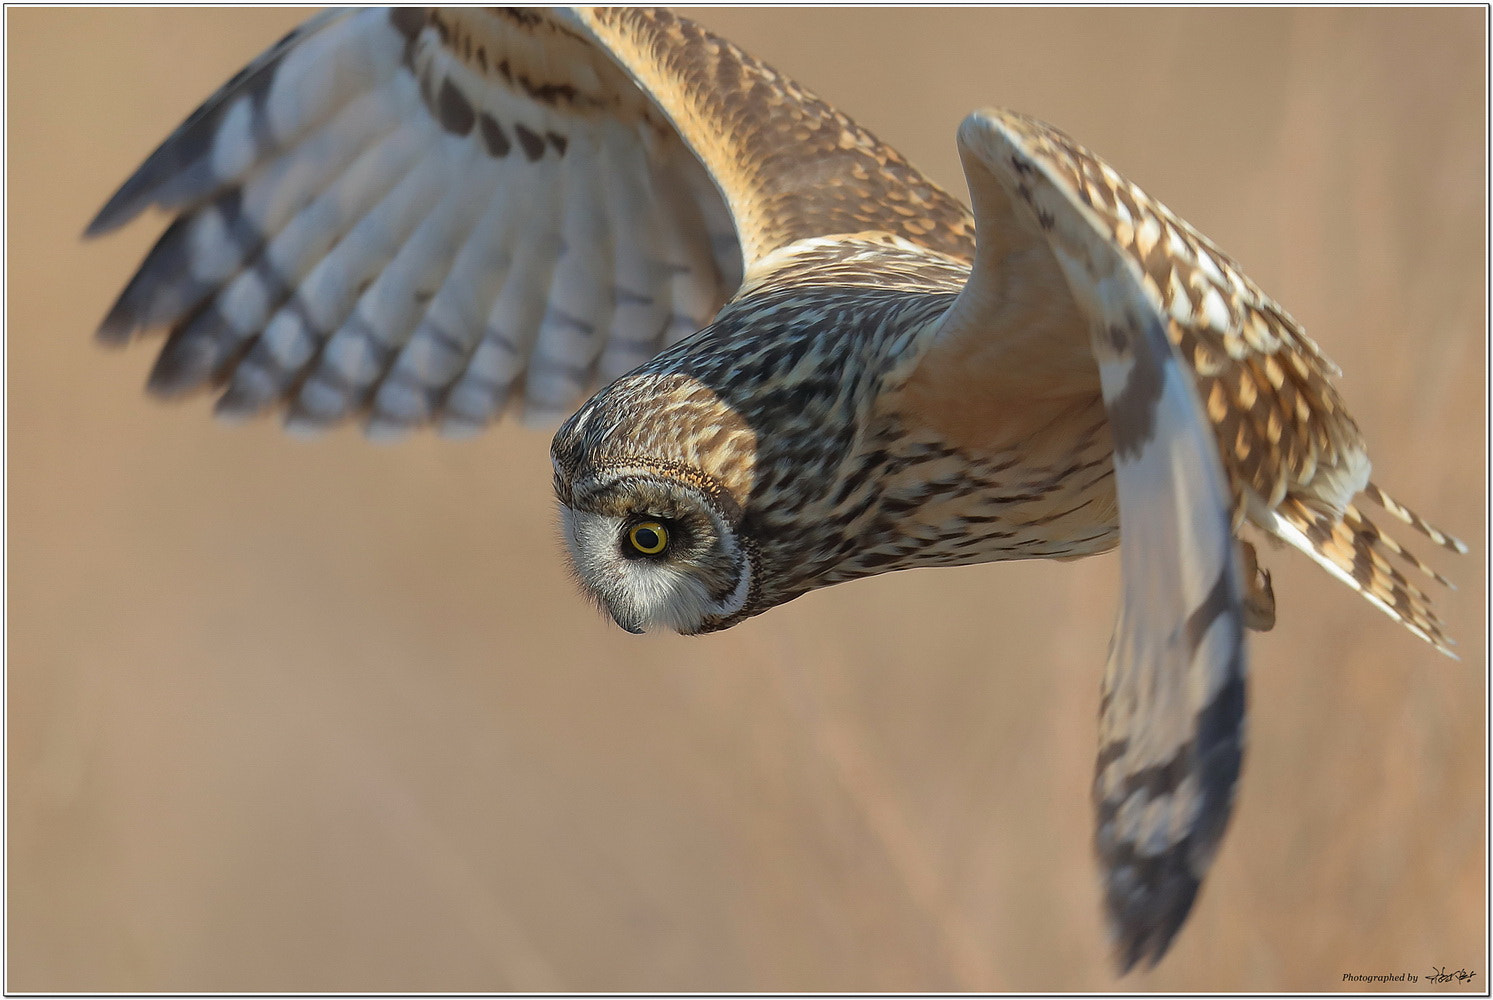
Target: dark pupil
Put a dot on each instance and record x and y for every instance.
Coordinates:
(646, 538)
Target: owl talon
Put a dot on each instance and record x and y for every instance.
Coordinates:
(1259, 603)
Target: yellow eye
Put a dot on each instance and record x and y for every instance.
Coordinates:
(648, 537)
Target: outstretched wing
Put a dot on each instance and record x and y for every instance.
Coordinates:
(1220, 410)
(1173, 702)
(420, 214)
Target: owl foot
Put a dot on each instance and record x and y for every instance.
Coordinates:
(1259, 603)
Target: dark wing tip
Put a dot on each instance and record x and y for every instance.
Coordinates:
(178, 172)
(121, 208)
(1147, 901)
(1150, 887)
(117, 326)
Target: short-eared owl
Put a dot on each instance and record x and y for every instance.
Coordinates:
(815, 365)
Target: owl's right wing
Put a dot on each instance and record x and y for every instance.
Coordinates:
(1172, 707)
(419, 214)
(1220, 410)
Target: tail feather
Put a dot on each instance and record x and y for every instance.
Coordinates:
(1355, 519)
(1410, 517)
(1353, 549)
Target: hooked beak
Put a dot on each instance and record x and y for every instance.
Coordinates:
(623, 624)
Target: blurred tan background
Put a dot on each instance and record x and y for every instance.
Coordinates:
(330, 716)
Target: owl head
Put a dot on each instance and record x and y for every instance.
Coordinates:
(652, 475)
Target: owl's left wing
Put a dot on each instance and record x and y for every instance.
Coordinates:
(1173, 698)
(420, 214)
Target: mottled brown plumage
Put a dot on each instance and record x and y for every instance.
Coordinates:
(817, 366)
